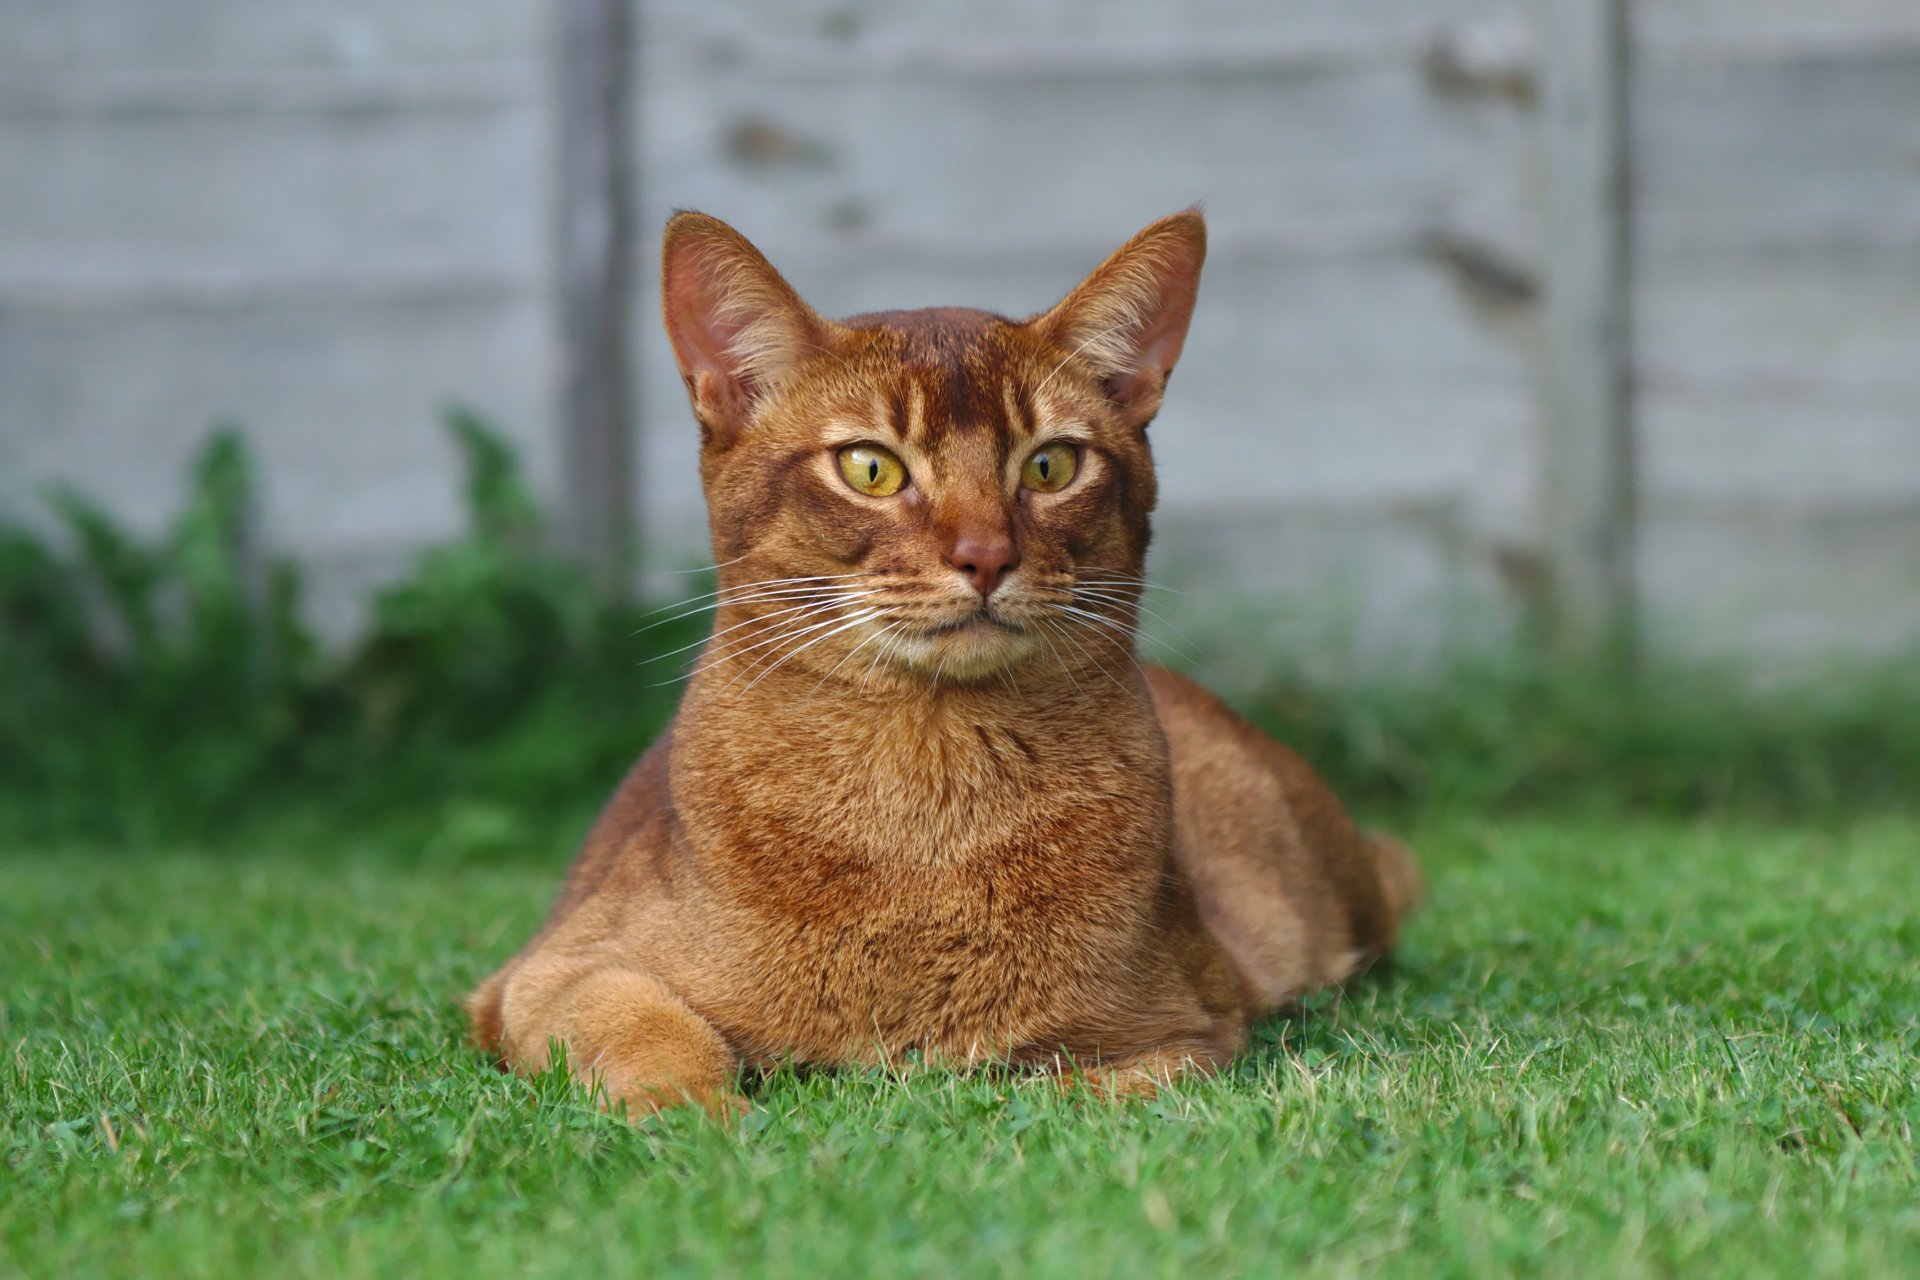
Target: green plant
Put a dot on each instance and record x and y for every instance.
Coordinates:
(167, 686)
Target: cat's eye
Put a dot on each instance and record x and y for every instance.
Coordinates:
(1050, 468)
(872, 470)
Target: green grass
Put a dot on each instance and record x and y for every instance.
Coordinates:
(1645, 1048)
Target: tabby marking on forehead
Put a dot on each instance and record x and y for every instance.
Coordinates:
(916, 432)
(1016, 424)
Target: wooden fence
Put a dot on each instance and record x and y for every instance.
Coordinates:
(1580, 310)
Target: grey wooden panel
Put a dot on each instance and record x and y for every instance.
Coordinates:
(1362, 379)
(1038, 158)
(1840, 316)
(340, 400)
(1787, 376)
(1078, 20)
(1778, 27)
(100, 197)
(1334, 589)
(47, 35)
(1790, 588)
(1808, 148)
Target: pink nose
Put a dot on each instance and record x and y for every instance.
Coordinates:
(986, 560)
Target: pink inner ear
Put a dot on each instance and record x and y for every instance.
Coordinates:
(1157, 345)
(702, 340)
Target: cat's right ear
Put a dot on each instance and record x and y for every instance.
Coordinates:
(734, 323)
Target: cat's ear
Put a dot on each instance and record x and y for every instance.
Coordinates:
(734, 323)
(1128, 320)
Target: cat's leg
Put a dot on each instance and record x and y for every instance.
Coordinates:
(623, 1029)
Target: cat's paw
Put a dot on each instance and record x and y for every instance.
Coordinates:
(641, 1102)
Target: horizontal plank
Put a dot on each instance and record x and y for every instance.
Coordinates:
(341, 400)
(1772, 29)
(840, 22)
(254, 90)
(1783, 378)
(210, 35)
(1785, 586)
(1801, 450)
(1811, 323)
(91, 196)
(937, 159)
(1805, 150)
(68, 285)
(1337, 588)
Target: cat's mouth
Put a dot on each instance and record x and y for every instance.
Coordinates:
(983, 619)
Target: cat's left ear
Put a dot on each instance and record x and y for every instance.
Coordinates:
(735, 324)
(1128, 320)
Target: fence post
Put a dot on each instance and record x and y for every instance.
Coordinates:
(592, 70)
(1589, 500)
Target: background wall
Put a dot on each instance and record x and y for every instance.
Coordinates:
(324, 220)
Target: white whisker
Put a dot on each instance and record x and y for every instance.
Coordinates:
(759, 620)
(854, 622)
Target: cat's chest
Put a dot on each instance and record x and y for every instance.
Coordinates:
(957, 893)
(790, 800)
(967, 962)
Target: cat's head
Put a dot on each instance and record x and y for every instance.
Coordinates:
(944, 492)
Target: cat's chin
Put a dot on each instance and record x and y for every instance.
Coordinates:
(974, 649)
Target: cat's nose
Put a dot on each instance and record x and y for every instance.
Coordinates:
(986, 559)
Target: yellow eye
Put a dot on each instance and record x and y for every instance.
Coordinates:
(1050, 468)
(872, 470)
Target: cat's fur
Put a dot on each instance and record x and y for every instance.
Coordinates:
(897, 814)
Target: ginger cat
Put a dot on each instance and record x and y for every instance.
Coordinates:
(919, 794)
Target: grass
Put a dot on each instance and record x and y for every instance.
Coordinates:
(1622, 1048)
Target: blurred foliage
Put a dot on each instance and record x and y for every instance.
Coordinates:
(168, 689)
(1513, 731)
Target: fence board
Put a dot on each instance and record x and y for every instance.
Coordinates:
(207, 35)
(1772, 28)
(1792, 588)
(90, 195)
(340, 399)
(1818, 148)
(837, 22)
(1038, 158)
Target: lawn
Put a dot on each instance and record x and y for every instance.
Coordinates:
(1610, 1047)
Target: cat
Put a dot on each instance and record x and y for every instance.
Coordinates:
(919, 794)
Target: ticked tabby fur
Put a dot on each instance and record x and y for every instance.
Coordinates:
(919, 794)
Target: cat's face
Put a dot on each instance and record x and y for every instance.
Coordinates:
(943, 493)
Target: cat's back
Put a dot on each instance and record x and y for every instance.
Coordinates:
(1296, 893)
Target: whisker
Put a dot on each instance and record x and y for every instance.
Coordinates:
(1095, 617)
(793, 630)
(1189, 646)
(854, 622)
(760, 620)
(1126, 651)
(789, 629)
(765, 582)
(1116, 577)
(849, 653)
(1044, 632)
(885, 650)
(710, 568)
(782, 593)
(1099, 666)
